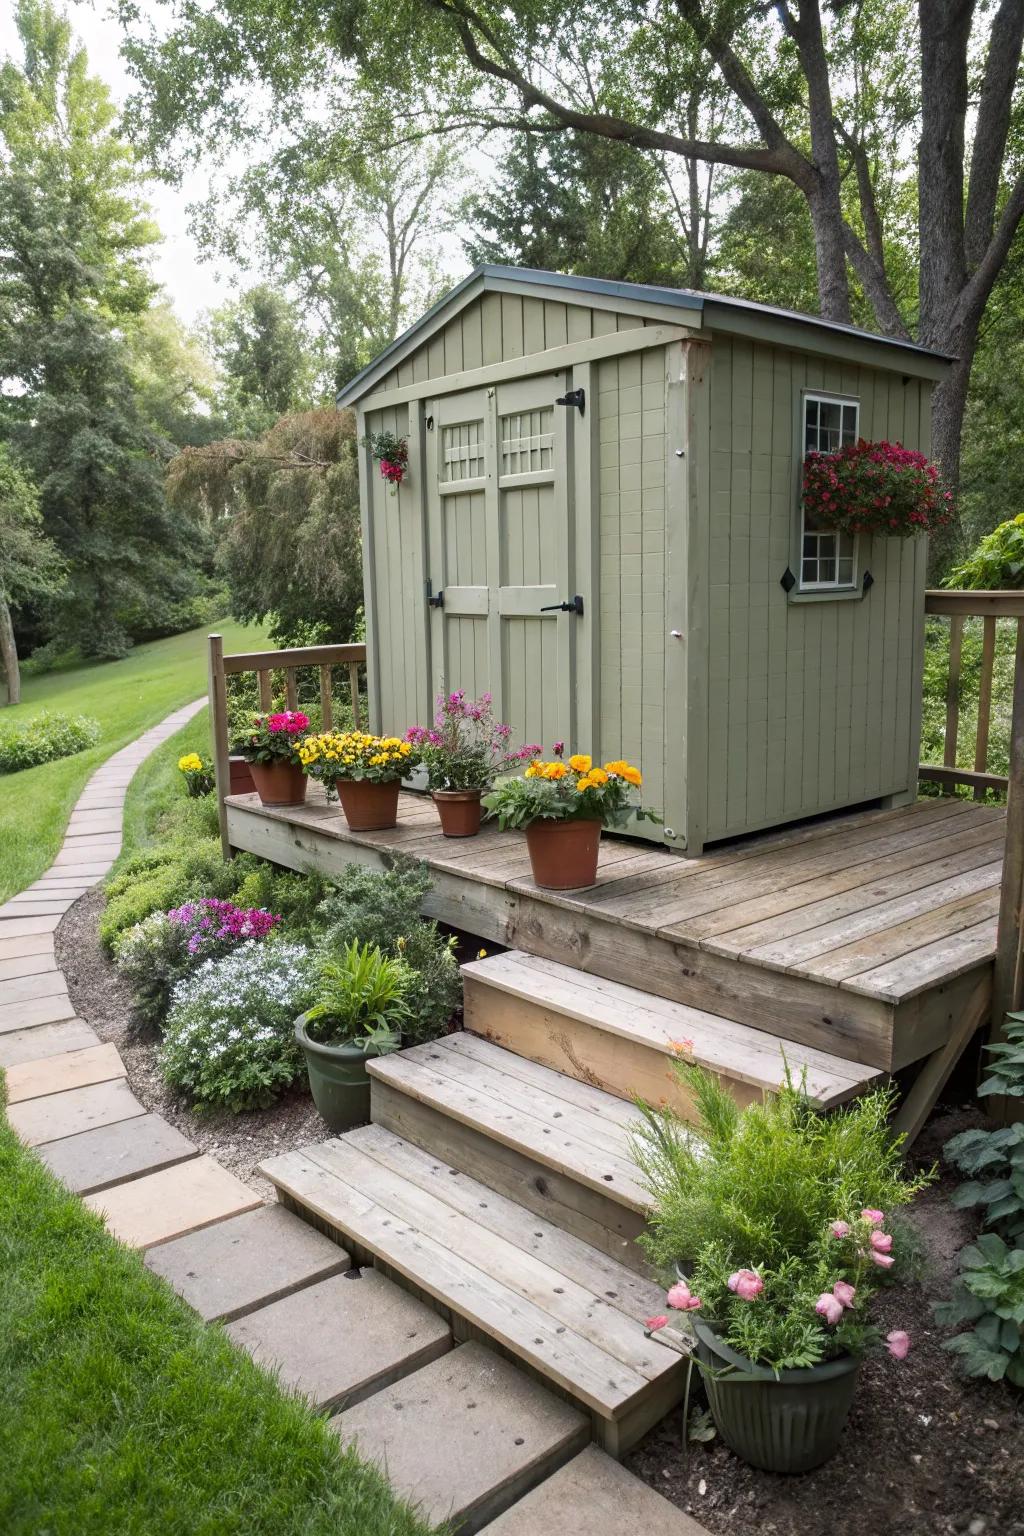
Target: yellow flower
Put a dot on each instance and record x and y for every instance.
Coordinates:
(580, 762)
(583, 784)
(615, 767)
(632, 775)
(190, 763)
(554, 770)
(534, 771)
(481, 954)
(598, 776)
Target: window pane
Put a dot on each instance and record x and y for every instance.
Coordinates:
(829, 425)
(810, 426)
(846, 571)
(849, 424)
(826, 570)
(810, 572)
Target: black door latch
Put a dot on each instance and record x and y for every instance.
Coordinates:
(571, 605)
(434, 600)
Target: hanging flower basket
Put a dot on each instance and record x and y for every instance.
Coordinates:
(875, 488)
(392, 454)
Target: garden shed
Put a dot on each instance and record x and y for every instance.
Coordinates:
(600, 523)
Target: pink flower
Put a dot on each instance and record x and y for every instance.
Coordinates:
(875, 1217)
(746, 1283)
(829, 1307)
(898, 1344)
(881, 1242)
(883, 1260)
(558, 748)
(681, 1298)
(844, 1292)
(652, 1324)
(840, 1229)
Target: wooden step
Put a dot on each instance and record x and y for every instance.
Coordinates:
(566, 1311)
(626, 1041)
(558, 1145)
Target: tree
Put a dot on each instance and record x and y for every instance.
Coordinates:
(73, 279)
(174, 379)
(285, 512)
(265, 358)
(30, 566)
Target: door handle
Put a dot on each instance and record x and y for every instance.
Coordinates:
(434, 599)
(571, 605)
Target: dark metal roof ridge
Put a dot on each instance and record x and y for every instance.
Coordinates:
(672, 298)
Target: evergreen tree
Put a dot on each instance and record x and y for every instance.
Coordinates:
(266, 360)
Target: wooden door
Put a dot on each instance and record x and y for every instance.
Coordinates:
(501, 555)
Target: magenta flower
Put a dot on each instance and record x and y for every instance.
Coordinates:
(898, 1344)
(840, 1229)
(558, 748)
(844, 1292)
(746, 1283)
(875, 1217)
(881, 1242)
(829, 1307)
(652, 1324)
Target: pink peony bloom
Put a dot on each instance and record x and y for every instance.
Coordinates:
(881, 1242)
(844, 1292)
(875, 1217)
(746, 1283)
(883, 1260)
(898, 1344)
(840, 1229)
(829, 1307)
(652, 1324)
(681, 1298)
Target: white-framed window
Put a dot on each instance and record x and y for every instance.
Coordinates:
(827, 558)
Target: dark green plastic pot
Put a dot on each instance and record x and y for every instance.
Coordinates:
(786, 1423)
(338, 1078)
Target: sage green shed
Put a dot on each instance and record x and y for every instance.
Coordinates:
(600, 524)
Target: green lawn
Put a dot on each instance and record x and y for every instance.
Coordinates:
(121, 1412)
(126, 697)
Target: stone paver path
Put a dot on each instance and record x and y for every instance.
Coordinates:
(459, 1430)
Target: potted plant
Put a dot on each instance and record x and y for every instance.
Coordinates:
(358, 1013)
(365, 772)
(562, 806)
(875, 488)
(775, 1222)
(269, 744)
(463, 752)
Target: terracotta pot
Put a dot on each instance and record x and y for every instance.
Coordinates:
(279, 783)
(564, 853)
(241, 780)
(368, 807)
(459, 810)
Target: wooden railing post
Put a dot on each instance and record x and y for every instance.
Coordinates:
(219, 733)
(1006, 979)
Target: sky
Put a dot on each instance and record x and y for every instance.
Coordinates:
(192, 285)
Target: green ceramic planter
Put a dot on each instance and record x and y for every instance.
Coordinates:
(338, 1079)
(786, 1423)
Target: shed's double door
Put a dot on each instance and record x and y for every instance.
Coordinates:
(500, 552)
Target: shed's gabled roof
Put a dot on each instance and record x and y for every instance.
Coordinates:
(711, 309)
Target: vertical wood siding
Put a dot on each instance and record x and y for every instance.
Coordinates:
(811, 705)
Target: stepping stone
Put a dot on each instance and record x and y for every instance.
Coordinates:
(340, 1341)
(45, 1040)
(236, 1266)
(28, 965)
(113, 1154)
(40, 904)
(19, 927)
(40, 1010)
(58, 1074)
(26, 989)
(95, 820)
(593, 1496)
(80, 1109)
(159, 1206)
(465, 1436)
(17, 946)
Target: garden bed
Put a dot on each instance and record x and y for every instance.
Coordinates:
(925, 1453)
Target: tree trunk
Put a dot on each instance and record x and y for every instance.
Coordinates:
(9, 654)
(949, 402)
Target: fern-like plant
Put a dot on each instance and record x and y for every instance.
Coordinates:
(360, 999)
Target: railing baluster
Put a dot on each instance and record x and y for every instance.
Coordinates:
(988, 653)
(956, 632)
(291, 690)
(326, 710)
(266, 688)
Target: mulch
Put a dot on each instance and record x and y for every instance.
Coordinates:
(925, 1453)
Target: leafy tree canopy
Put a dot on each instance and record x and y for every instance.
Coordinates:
(266, 360)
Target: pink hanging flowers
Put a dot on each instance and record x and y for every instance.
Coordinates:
(392, 454)
(875, 488)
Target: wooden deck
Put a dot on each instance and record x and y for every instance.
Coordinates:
(862, 934)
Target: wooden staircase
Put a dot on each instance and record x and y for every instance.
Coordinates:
(496, 1179)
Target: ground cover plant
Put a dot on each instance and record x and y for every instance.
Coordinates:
(44, 739)
(121, 1412)
(125, 697)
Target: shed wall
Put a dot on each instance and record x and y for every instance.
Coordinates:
(811, 704)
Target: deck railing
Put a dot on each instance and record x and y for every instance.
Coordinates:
(268, 666)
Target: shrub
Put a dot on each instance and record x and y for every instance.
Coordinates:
(384, 909)
(779, 1210)
(44, 739)
(296, 897)
(156, 879)
(229, 1040)
(166, 946)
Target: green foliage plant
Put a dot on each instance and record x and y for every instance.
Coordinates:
(989, 1291)
(996, 562)
(44, 739)
(779, 1215)
(229, 1042)
(359, 999)
(383, 908)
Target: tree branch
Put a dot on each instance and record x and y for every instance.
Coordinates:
(974, 296)
(992, 128)
(866, 194)
(875, 284)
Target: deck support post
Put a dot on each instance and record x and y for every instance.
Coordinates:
(219, 734)
(1006, 980)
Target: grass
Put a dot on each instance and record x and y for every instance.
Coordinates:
(121, 1412)
(157, 787)
(126, 697)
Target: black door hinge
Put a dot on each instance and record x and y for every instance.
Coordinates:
(576, 397)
